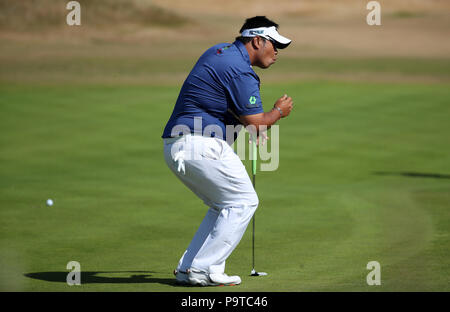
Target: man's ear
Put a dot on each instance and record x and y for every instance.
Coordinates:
(256, 42)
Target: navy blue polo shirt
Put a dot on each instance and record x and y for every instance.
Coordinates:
(221, 84)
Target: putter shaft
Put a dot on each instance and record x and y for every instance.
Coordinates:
(254, 186)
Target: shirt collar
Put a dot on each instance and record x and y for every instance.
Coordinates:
(243, 50)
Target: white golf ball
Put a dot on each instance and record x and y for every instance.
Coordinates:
(49, 202)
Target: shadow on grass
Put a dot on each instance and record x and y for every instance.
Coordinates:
(416, 174)
(135, 277)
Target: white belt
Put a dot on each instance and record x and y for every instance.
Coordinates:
(172, 140)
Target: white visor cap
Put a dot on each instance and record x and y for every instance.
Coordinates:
(269, 33)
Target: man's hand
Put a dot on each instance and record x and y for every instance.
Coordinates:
(261, 139)
(285, 104)
(267, 119)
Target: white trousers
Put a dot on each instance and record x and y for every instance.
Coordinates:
(211, 169)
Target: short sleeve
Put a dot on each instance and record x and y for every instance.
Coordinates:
(244, 93)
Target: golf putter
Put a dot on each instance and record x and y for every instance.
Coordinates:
(255, 155)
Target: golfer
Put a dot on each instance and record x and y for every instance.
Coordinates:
(222, 90)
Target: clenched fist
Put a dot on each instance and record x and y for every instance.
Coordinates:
(285, 104)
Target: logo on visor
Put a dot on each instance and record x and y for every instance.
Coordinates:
(252, 100)
(256, 32)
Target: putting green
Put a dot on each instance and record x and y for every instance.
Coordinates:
(363, 176)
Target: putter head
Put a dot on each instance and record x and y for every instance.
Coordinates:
(254, 273)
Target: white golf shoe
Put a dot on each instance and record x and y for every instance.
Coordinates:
(201, 278)
(224, 279)
(181, 277)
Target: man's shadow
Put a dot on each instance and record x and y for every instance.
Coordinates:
(135, 277)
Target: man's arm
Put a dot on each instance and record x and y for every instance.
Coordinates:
(282, 108)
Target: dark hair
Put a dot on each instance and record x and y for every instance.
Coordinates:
(255, 22)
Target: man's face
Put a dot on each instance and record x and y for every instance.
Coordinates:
(267, 54)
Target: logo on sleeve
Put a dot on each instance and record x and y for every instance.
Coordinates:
(252, 100)
(220, 51)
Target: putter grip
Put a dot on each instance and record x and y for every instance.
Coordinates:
(255, 155)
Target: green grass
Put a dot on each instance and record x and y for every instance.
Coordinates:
(144, 65)
(405, 66)
(340, 198)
